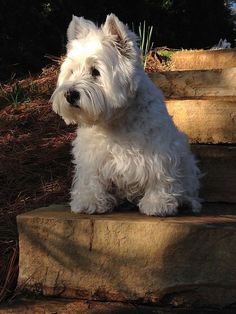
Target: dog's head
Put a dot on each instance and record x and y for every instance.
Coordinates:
(100, 74)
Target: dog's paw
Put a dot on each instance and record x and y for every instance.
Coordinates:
(192, 204)
(83, 209)
(156, 205)
(100, 207)
(196, 206)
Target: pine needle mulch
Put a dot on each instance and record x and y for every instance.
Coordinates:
(35, 162)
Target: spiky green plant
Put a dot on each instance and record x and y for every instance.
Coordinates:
(145, 36)
(16, 94)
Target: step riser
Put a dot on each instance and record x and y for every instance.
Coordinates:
(218, 163)
(124, 257)
(206, 59)
(196, 84)
(205, 121)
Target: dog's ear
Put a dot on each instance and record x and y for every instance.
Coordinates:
(124, 40)
(79, 28)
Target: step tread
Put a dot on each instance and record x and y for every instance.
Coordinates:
(211, 213)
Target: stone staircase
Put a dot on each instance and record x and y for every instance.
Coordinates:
(203, 105)
(125, 256)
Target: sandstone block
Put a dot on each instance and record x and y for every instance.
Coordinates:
(129, 257)
(197, 83)
(205, 121)
(204, 59)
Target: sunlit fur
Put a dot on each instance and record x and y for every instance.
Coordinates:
(127, 145)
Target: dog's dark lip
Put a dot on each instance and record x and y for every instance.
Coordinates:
(75, 106)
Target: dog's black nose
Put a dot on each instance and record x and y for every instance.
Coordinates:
(72, 96)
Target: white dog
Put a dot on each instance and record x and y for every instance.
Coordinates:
(127, 145)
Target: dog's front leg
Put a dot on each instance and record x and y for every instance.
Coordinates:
(88, 194)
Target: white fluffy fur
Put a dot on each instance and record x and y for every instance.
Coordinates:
(127, 145)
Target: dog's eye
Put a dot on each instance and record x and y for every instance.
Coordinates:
(95, 72)
(71, 71)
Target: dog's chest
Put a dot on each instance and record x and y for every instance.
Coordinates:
(126, 168)
(117, 158)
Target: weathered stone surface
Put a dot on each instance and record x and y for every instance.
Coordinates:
(197, 84)
(128, 256)
(218, 163)
(204, 59)
(75, 306)
(205, 121)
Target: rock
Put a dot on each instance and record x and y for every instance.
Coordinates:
(184, 260)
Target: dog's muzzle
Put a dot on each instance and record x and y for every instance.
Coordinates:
(72, 96)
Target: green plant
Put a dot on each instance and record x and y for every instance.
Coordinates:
(32, 89)
(145, 35)
(166, 53)
(15, 95)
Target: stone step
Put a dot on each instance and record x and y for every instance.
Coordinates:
(218, 163)
(204, 59)
(205, 121)
(197, 83)
(184, 260)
